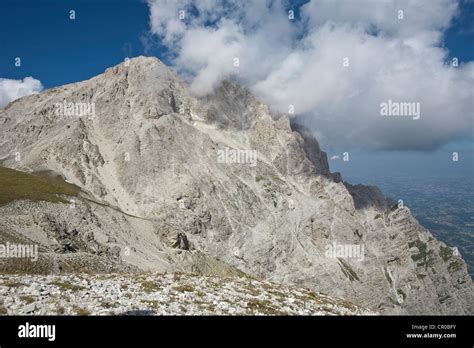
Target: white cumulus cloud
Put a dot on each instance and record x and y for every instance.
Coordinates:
(14, 89)
(336, 64)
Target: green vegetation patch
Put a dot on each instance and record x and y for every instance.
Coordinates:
(82, 311)
(150, 286)
(455, 266)
(424, 256)
(27, 299)
(264, 307)
(67, 285)
(41, 186)
(184, 288)
(3, 310)
(446, 253)
(12, 284)
(259, 178)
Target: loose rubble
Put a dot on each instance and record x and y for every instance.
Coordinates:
(161, 294)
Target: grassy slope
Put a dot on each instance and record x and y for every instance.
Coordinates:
(42, 186)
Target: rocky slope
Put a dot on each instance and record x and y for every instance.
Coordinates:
(161, 294)
(156, 196)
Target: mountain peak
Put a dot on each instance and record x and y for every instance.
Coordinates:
(170, 181)
(141, 62)
(141, 66)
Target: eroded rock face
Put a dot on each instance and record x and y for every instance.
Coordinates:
(155, 186)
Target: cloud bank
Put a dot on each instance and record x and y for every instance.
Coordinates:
(14, 89)
(335, 63)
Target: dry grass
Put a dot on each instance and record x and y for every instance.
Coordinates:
(42, 186)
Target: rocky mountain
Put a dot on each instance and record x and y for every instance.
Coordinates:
(213, 185)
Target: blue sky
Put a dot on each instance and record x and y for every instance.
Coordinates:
(57, 50)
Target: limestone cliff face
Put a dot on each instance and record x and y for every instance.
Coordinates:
(216, 184)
